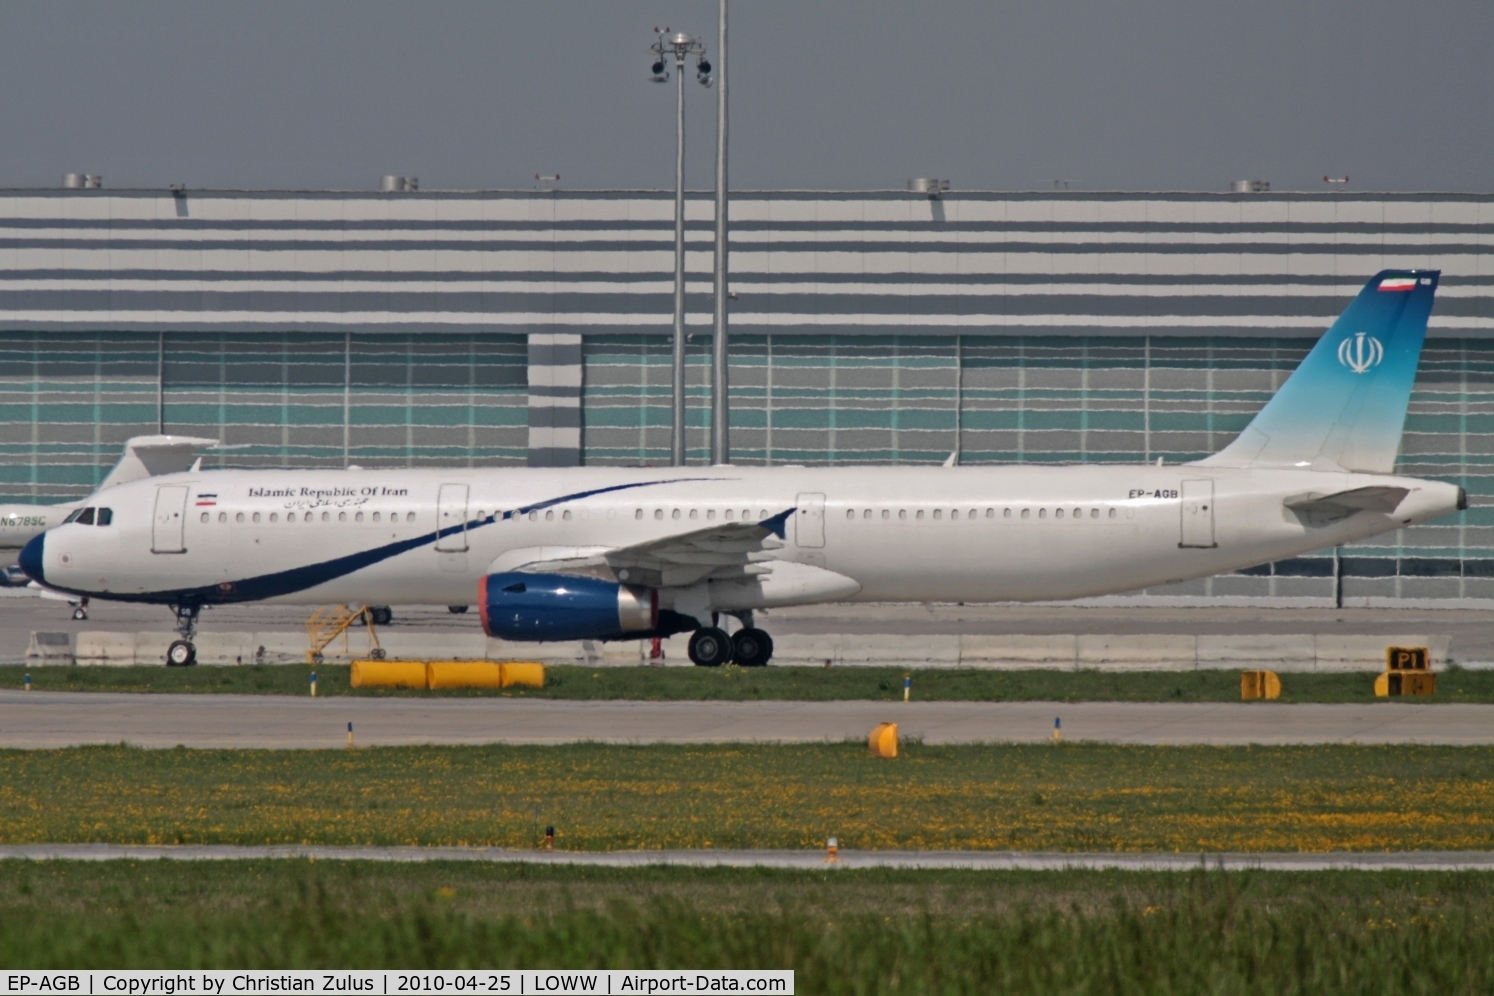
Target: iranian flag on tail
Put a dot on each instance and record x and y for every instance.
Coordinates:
(1398, 284)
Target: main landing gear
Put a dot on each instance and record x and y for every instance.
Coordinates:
(712, 646)
(182, 653)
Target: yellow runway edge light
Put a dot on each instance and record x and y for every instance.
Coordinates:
(883, 740)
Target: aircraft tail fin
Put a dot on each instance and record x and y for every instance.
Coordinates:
(148, 456)
(1344, 406)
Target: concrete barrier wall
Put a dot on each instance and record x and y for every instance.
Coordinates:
(1287, 652)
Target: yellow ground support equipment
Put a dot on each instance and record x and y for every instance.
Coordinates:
(447, 674)
(463, 674)
(1406, 683)
(1260, 685)
(331, 621)
(883, 740)
(523, 674)
(388, 674)
(1408, 671)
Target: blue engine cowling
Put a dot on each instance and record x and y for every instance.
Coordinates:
(518, 606)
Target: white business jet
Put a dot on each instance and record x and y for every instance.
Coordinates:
(615, 553)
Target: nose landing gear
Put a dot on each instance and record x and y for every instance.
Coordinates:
(80, 609)
(182, 653)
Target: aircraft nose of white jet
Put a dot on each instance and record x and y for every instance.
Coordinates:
(31, 559)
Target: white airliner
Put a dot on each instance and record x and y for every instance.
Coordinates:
(611, 553)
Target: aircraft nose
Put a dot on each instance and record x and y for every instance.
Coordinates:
(31, 559)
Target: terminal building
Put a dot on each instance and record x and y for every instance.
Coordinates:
(493, 328)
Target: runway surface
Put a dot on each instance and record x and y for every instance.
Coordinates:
(59, 719)
(965, 860)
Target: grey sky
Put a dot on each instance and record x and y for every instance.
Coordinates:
(1169, 94)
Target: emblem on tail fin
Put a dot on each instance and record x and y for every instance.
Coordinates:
(1361, 352)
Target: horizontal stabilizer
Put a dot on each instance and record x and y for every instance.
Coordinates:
(1384, 500)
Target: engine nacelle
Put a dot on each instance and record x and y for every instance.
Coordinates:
(518, 606)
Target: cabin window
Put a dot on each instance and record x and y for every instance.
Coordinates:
(637, 513)
(1078, 513)
(238, 517)
(534, 516)
(566, 515)
(730, 514)
(1026, 513)
(674, 514)
(710, 513)
(658, 513)
(549, 515)
(850, 513)
(326, 516)
(222, 516)
(376, 516)
(747, 513)
(205, 516)
(357, 517)
(694, 513)
(954, 515)
(409, 516)
(902, 513)
(275, 516)
(1057, 513)
(886, 513)
(866, 514)
(919, 514)
(1094, 513)
(342, 516)
(1112, 513)
(1042, 513)
(972, 514)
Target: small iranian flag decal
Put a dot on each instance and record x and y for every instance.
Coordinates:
(1398, 284)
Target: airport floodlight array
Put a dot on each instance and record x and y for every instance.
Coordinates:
(678, 46)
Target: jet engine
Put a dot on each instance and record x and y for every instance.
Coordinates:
(518, 606)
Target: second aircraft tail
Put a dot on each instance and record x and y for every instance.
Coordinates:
(1344, 407)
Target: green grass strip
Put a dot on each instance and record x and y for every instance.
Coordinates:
(842, 932)
(1089, 797)
(744, 684)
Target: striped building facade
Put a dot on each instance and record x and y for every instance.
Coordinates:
(490, 328)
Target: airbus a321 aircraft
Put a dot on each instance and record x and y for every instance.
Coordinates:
(613, 553)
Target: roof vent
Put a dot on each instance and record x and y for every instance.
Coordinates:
(1250, 187)
(923, 185)
(82, 181)
(391, 184)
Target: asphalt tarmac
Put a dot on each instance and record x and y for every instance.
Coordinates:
(1470, 631)
(805, 860)
(59, 719)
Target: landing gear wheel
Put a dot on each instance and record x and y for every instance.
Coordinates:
(710, 647)
(181, 653)
(751, 647)
(383, 615)
(80, 613)
(456, 610)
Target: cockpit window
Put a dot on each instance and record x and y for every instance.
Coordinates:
(73, 516)
(106, 516)
(85, 518)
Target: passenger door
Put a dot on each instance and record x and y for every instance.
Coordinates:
(1198, 514)
(451, 514)
(168, 527)
(809, 521)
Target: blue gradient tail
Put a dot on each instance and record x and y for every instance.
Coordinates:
(1344, 407)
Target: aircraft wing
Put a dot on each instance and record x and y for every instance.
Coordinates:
(723, 551)
(1345, 503)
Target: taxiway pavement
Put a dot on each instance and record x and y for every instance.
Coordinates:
(60, 719)
(964, 860)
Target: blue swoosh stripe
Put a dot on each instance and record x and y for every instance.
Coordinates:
(301, 578)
